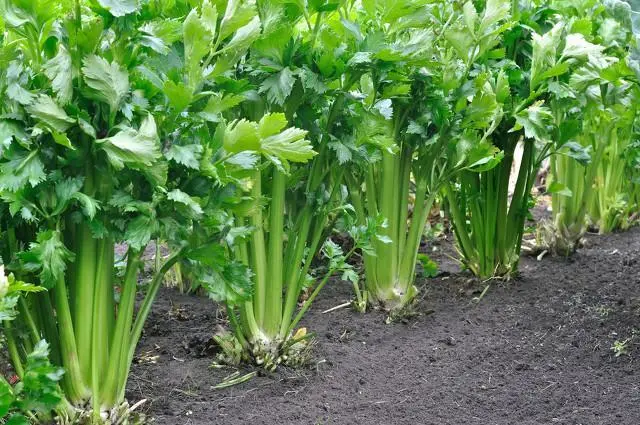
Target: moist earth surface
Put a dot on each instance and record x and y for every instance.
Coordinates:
(534, 350)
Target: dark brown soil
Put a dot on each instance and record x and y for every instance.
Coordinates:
(536, 350)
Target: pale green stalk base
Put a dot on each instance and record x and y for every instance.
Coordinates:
(390, 273)
(488, 225)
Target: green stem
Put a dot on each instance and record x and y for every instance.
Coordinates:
(418, 222)
(85, 274)
(25, 314)
(12, 347)
(144, 311)
(308, 302)
(403, 194)
(103, 311)
(69, 352)
(387, 265)
(273, 298)
(120, 341)
(459, 223)
(258, 252)
(45, 312)
(293, 277)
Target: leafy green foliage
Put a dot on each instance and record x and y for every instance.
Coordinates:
(594, 111)
(37, 392)
(110, 83)
(49, 256)
(113, 131)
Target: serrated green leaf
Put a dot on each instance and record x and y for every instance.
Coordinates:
(244, 36)
(535, 121)
(49, 255)
(188, 155)
(180, 96)
(134, 148)
(271, 124)
(494, 12)
(50, 114)
(477, 156)
(39, 387)
(109, 81)
(429, 267)
(217, 104)
(385, 108)
(238, 13)
(59, 70)
(22, 168)
(8, 131)
(289, 145)
(16, 79)
(576, 46)
(197, 41)
(120, 7)
(343, 153)
(470, 15)
(242, 135)
(62, 139)
(6, 396)
(278, 87)
(544, 55)
(183, 198)
(139, 231)
(482, 110)
(231, 283)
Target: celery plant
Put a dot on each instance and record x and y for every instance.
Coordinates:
(264, 320)
(416, 70)
(294, 194)
(595, 118)
(487, 219)
(613, 201)
(98, 106)
(576, 171)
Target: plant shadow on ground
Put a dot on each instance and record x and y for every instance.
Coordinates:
(535, 350)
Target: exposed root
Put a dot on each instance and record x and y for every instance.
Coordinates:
(402, 312)
(549, 238)
(123, 414)
(295, 351)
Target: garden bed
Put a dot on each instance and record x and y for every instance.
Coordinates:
(536, 350)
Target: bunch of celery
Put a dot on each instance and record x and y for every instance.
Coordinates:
(595, 117)
(92, 125)
(487, 219)
(412, 93)
(289, 190)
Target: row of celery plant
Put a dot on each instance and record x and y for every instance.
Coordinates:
(538, 63)
(419, 91)
(596, 118)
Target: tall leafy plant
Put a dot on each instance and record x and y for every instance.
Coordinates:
(416, 78)
(527, 74)
(94, 123)
(595, 117)
(289, 191)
